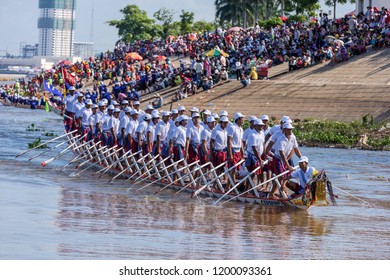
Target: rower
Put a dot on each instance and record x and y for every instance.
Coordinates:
(136, 106)
(84, 118)
(218, 143)
(284, 147)
(255, 149)
(249, 130)
(178, 139)
(150, 132)
(113, 124)
(174, 114)
(78, 107)
(123, 125)
(106, 126)
(235, 148)
(205, 137)
(160, 140)
(124, 105)
(130, 131)
(265, 120)
(91, 122)
(181, 110)
(193, 139)
(205, 115)
(70, 99)
(304, 174)
(148, 110)
(192, 111)
(140, 133)
(277, 128)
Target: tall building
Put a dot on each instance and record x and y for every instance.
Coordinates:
(56, 27)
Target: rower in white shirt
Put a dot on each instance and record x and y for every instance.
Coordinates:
(178, 139)
(105, 123)
(130, 131)
(84, 116)
(123, 125)
(140, 133)
(150, 131)
(193, 139)
(161, 145)
(205, 137)
(218, 143)
(113, 124)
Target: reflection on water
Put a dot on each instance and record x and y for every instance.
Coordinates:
(50, 215)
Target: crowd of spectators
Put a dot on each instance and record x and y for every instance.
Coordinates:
(181, 61)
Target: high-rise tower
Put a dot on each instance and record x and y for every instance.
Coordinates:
(56, 27)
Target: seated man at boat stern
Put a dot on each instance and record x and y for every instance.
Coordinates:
(303, 174)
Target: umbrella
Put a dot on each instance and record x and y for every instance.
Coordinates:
(330, 38)
(133, 55)
(216, 52)
(159, 57)
(235, 29)
(65, 62)
(339, 42)
(283, 18)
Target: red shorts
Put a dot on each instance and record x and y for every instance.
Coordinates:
(178, 153)
(277, 167)
(236, 158)
(192, 155)
(134, 146)
(218, 158)
(203, 158)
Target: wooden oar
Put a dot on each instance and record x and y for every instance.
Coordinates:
(190, 183)
(169, 166)
(46, 162)
(51, 149)
(104, 170)
(135, 162)
(105, 157)
(239, 183)
(178, 170)
(219, 176)
(136, 182)
(96, 151)
(81, 156)
(255, 187)
(47, 142)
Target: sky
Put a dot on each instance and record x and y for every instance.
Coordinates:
(18, 19)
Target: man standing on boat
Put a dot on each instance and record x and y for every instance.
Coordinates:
(106, 125)
(205, 137)
(194, 129)
(150, 131)
(161, 145)
(79, 108)
(140, 133)
(70, 110)
(249, 130)
(284, 147)
(84, 118)
(303, 174)
(130, 131)
(178, 139)
(218, 143)
(235, 148)
(113, 124)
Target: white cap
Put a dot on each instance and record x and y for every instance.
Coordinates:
(114, 103)
(210, 119)
(136, 103)
(80, 95)
(111, 107)
(285, 118)
(166, 113)
(223, 113)
(237, 116)
(128, 110)
(195, 115)
(147, 117)
(194, 109)
(224, 119)
(304, 159)
(264, 118)
(100, 104)
(149, 107)
(287, 125)
(155, 115)
(258, 122)
(105, 101)
(125, 102)
(88, 102)
(181, 108)
(116, 110)
(72, 88)
(174, 111)
(133, 112)
(215, 115)
(206, 112)
(252, 118)
(94, 106)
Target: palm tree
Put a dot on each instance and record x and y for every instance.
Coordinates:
(236, 11)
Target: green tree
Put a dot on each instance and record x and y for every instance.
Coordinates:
(135, 25)
(165, 17)
(186, 21)
(334, 3)
(202, 25)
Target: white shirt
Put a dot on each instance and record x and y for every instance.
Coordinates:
(85, 116)
(124, 120)
(255, 139)
(179, 136)
(151, 128)
(193, 133)
(206, 135)
(132, 127)
(142, 127)
(162, 130)
(285, 145)
(69, 102)
(92, 120)
(246, 134)
(114, 123)
(236, 133)
(99, 117)
(304, 177)
(274, 129)
(78, 107)
(106, 122)
(219, 136)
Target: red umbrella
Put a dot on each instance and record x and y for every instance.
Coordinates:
(235, 29)
(283, 18)
(133, 55)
